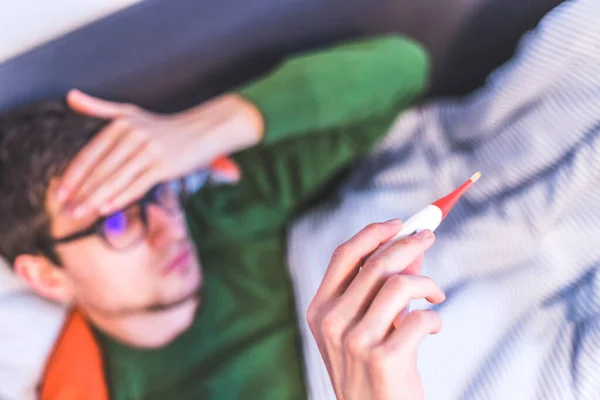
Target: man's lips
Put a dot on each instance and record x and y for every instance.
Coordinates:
(178, 263)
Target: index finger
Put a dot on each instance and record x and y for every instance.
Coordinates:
(96, 107)
(348, 257)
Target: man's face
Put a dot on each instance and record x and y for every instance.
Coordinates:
(158, 272)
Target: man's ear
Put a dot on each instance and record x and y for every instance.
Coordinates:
(45, 278)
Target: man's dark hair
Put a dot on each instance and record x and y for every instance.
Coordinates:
(37, 143)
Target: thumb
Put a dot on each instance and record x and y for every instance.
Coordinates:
(95, 107)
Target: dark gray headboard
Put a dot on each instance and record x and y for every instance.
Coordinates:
(169, 54)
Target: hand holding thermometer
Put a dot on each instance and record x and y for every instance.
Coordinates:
(431, 216)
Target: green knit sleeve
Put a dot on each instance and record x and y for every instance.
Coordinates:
(342, 86)
(323, 111)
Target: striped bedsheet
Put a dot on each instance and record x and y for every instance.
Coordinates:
(519, 255)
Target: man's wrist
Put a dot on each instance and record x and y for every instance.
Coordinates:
(250, 119)
(225, 124)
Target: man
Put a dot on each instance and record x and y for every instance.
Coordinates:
(92, 216)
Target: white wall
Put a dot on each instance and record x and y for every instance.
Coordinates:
(27, 23)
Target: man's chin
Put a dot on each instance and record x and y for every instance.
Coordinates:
(148, 310)
(195, 295)
(151, 329)
(177, 320)
(160, 328)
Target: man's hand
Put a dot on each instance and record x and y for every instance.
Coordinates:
(359, 320)
(139, 149)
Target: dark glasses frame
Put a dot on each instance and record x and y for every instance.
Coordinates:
(98, 227)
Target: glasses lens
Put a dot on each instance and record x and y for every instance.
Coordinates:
(125, 227)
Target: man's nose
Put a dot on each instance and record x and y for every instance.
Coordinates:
(165, 227)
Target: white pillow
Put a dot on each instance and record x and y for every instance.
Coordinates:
(29, 326)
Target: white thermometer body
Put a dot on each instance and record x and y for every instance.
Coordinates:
(429, 217)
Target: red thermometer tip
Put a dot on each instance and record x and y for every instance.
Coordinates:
(447, 202)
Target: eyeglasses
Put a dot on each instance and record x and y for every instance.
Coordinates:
(129, 226)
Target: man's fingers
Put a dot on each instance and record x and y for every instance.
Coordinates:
(134, 187)
(396, 294)
(415, 267)
(365, 286)
(95, 107)
(128, 154)
(88, 159)
(415, 327)
(348, 257)
(342, 269)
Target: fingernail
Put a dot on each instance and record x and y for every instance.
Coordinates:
(395, 221)
(424, 234)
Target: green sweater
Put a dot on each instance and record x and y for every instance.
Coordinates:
(322, 111)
